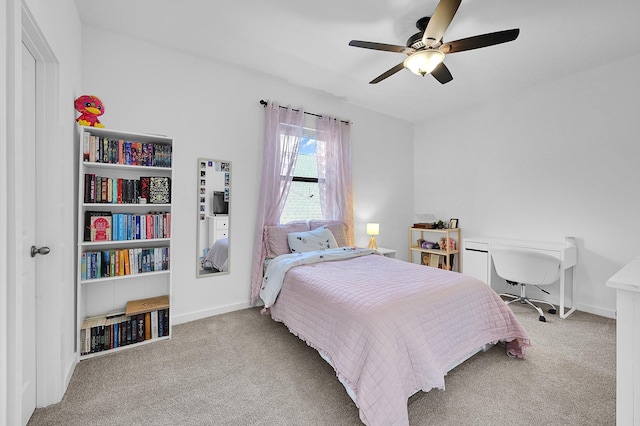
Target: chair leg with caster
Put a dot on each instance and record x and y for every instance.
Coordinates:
(540, 311)
(552, 308)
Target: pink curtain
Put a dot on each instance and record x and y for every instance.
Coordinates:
(334, 172)
(282, 135)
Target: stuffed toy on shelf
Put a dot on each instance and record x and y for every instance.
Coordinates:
(90, 108)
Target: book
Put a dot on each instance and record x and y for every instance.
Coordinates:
(167, 225)
(85, 145)
(85, 337)
(89, 187)
(154, 324)
(106, 335)
(139, 154)
(97, 333)
(119, 190)
(135, 307)
(144, 188)
(104, 182)
(113, 190)
(92, 148)
(105, 150)
(166, 322)
(116, 333)
(127, 326)
(106, 263)
(160, 323)
(143, 227)
(140, 330)
(149, 223)
(131, 261)
(88, 216)
(121, 262)
(100, 227)
(159, 190)
(83, 267)
(147, 326)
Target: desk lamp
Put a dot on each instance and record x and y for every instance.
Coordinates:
(373, 229)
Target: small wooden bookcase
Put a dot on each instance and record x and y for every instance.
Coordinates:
(440, 257)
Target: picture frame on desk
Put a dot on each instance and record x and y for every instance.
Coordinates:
(453, 223)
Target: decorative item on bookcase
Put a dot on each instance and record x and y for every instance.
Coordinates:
(90, 108)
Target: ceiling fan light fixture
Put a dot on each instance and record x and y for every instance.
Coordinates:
(424, 61)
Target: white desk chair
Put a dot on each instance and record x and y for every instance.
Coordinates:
(521, 266)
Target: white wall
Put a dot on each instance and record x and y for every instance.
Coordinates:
(557, 160)
(212, 110)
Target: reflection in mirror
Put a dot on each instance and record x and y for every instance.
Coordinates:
(214, 178)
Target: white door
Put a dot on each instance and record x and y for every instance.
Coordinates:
(27, 191)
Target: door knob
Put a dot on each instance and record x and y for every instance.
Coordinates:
(41, 250)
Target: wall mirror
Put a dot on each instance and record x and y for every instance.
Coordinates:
(213, 187)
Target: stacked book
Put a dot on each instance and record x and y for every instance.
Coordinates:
(121, 262)
(97, 149)
(142, 320)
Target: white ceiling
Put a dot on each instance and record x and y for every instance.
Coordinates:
(306, 43)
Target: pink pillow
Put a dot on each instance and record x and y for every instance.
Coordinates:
(338, 229)
(276, 237)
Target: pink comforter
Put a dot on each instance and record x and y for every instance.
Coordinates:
(392, 327)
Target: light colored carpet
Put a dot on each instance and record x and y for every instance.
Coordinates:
(243, 368)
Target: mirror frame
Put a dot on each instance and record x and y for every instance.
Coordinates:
(205, 216)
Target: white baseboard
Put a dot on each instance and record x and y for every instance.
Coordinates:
(192, 316)
(596, 311)
(71, 367)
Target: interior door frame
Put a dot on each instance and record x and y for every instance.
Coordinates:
(5, 84)
(21, 27)
(47, 100)
(10, 143)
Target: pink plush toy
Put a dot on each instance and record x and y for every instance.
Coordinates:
(90, 107)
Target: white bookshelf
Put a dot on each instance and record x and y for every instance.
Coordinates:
(102, 295)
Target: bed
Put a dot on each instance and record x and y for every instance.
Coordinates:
(217, 257)
(389, 328)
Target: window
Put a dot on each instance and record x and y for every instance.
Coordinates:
(303, 202)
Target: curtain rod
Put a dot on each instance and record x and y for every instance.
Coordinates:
(264, 104)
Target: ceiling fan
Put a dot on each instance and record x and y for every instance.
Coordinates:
(426, 50)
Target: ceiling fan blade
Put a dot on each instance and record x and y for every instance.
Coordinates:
(442, 73)
(483, 40)
(439, 22)
(388, 73)
(381, 46)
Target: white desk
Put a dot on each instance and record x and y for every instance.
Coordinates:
(477, 260)
(627, 285)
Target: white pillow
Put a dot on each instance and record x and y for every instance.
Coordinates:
(317, 239)
(339, 230)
